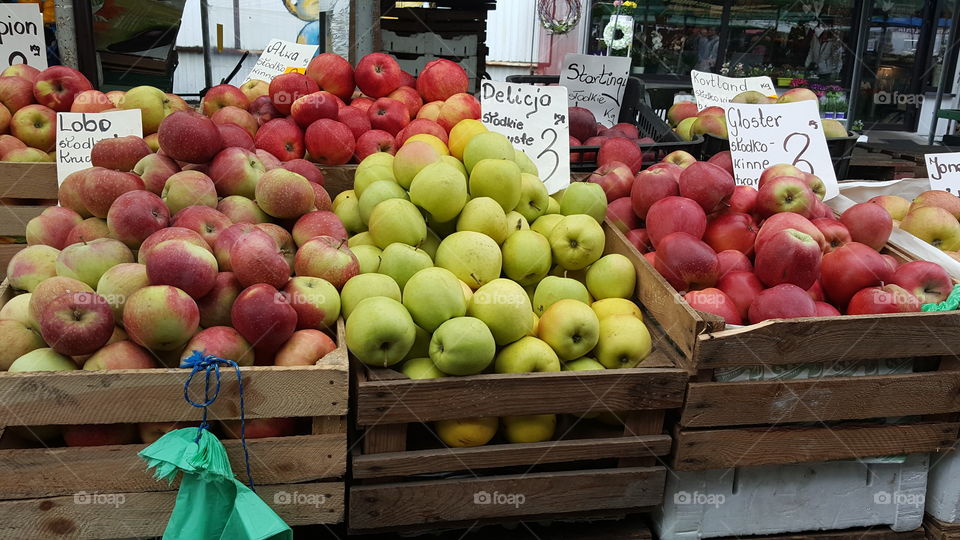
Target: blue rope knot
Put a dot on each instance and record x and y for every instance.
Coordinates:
(210, 365)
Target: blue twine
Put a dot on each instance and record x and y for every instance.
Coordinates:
(209, 363)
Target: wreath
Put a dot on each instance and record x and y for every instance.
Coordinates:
(619, 25)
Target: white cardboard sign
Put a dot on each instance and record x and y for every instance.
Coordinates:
(21, 36)
(278, 56)
(943, 170)
(596, 83)
(534, 118)
(711, 89)
(78, 132)
(765, 135)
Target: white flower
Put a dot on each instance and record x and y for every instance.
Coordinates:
(625, 26)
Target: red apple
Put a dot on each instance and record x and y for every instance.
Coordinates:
(215, 306)
(100, 435)
(868, 224)
(778, 170)
(618, 149)
(305, 169)
(680, 111)
(834, 233)
(283, 238)
(88, 230)
(686, 262)
(154, 170)
(35, 125)
(321, 199)
(675, 214)
(135, 215)
(327, 258)
(329, 142)
(715, 301)
(375, 141)
(120, 153)
(422, 125)
(650, 186)
(52, 227)
(91, 101)
(204, 220)
(928, 281)
(189, 136)
(583, 124)
(233, 135)
(708, 185)
(25, 71)
(8, 143)
(785, 194)
(170, 233)
(236, 171)
(651, 257)
(332, 73)
(787, 220)
(257, 259)
(238, 117)
(281, 138)
(615, 178)
(57, 86)
(785, 301)
(264, 317)
(319, 223)
(377, 74)
(222, 342)
(222, 96)
(287, 88)
(826, 310)
(388, 115)
(440, 79)
(732, 260)
(743, 200)
(263, 110)
(409, 98)
(121, 355)
(731, 230)
(76, 323)
(723, 160)
(305, 348)
(620, 214)
(225, 243)
(742, 288)
(640, 240)
(183, 265)
(429, 111)
(789, 256)
(15, 93)
(886, 299)
(102, 186)
(312, 107)
(672, 168)
(849, 268)
(815, 184)
(456, 108)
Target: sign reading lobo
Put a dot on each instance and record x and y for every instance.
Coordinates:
(765, 135)
(534, 118)
(78, 132)
(21, 36)
(278, 56)
(943, 170)
(596, 83)
(711, 89)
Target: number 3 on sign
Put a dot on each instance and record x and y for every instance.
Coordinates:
(804, 144)
(549, 150)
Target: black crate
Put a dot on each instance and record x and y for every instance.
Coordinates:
(840, 148)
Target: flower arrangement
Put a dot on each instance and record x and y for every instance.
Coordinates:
(618, 34)
(799, 83)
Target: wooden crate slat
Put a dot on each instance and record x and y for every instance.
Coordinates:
(726, 448)
(50, 472)
(504, 455)
(414, 503)
(7, 251)
(940, 530)
(28, 180)
(13, 219)
(146, 514)
(393, 402)
(810, 400)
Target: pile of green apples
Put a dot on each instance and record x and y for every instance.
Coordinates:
(468, 266)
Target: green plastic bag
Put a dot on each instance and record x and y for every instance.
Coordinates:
(952, 303)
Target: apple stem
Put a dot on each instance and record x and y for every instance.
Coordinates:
(342, 242)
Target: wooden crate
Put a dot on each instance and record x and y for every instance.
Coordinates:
(940, 530)
(732, 424)
(42, 489)
(26, 189)
(590, 471)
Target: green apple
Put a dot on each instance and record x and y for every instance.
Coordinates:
(526, 257)
(360, 239)
(17, 341)
(616, 306)
(529, 429)
(527, 166)
(368, 256)
(433, 296)
(533, 197)
(466, 432)
(374, 168)
(552, 289)
(431, 243)
(397, 220)
(516, 222)
(44, 359)
(442, 229)
(624, 342)
(473, 257)
(570, 327)
(455, 163)
(375, 194)
(88, 261)
(546, 223)
(421, 368)
(401, 261)
(583, 364)
(484, 215)
(421, 345)
(347, 208)
(410, 159)
(504, 307)
(577, 241)
(528, 355)
(497, 179)
(553, 205)
(377, 158)
(380, 332)
(584, 198)
(152, 104)
(462, 346)
(612, 276)
(440, 189)
(487, 145)
(18, 309)
(363, 286)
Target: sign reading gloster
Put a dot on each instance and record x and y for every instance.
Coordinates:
(534, 118)
(78, 132)
(21, 36)
(765, 135)
(278, 57)
(596, 83)
(711, 89)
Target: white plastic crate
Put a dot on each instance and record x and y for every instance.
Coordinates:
(943, 487)
(793, 498)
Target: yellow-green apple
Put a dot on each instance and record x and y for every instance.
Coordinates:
(433, 296)
(583, 124)
(329, 142)
(577, 241)
(88, 229)
(368, 257)
(484, 215)
(440, 79)
(154, 170)
(684, 129)
(239, 118)
(937, 197)
(584, 198)
(710, 125)
(612, 276)
(708, 185)
(402, 261)
(409, 160)
(640, 240)
(928, 281)
(933, 225)
(526, 257)
(731, 260)
(731, 230)
(259, 428)
(57, 87)
(236, 171)
(896, 206)
(315, 300)
(380, 331)
(363, 286)
(849, 268)
(44, 359)
(27, 155)
(375, 141)
(785, 194)
(388, 115)
(170, 233)
(76, 323)
(32, 265)
(674, 214)
(887, 298)
(439, 189)
(262, 109)
(421, 368)
(9, 142)
(120, 153)
(789, 256)
(466, 432)
(651, 186)
(264, 317)
(526, 355)
(120, 355)
(189, 136)
(35, 125)
(784, 301)
(376, 193)
(153, 142)
(281, 138)
(533, 197)
(397, 220)
(461, 134)
(255, 88)
(202, 219)
(86, 262)
(615, 306)
(284, 194)
(102, 186)
(529, 429)
(116, 97)
(92, 101)
(332, 73)
(504, 307)
(318, 223)
(184, 265)
(222, 342)
(215, 305)
(222, 96)
(614, 177)
(570, 327)
(752, 96)
(473, 257)
(798, 94)
(119, 282)
(153, 104)
(680, 111)
(833, 129)
(686, 262)
(487, 145)
(18, 340)
(552, 289)
(788, 220)
(255, 257)
(868, 224)
(327, 258)
(21, 70)
(239, 209)
(18, 309)
(462, 346)
(15, 93)
(286, 88)
(623, 341)
(380, 159)
(305, 348)
(136, 215)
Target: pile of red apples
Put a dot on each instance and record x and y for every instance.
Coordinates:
(617, 142)
(774, 252)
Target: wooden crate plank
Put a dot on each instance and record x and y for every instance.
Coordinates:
(940, 530)
(337, 179)
(726, 448)
(28, 180)
(810, 400)
(437, 501)
(505, 455)
(135, 515)
(13, 219)
(402, 401)
(40, 472)
(7, 251)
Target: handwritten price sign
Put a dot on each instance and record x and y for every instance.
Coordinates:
(596, 83)
(765, 135)
(711, 89)
(281, 57)
(21, 36)
(943, 170)
(534, 118)
(78, 132)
